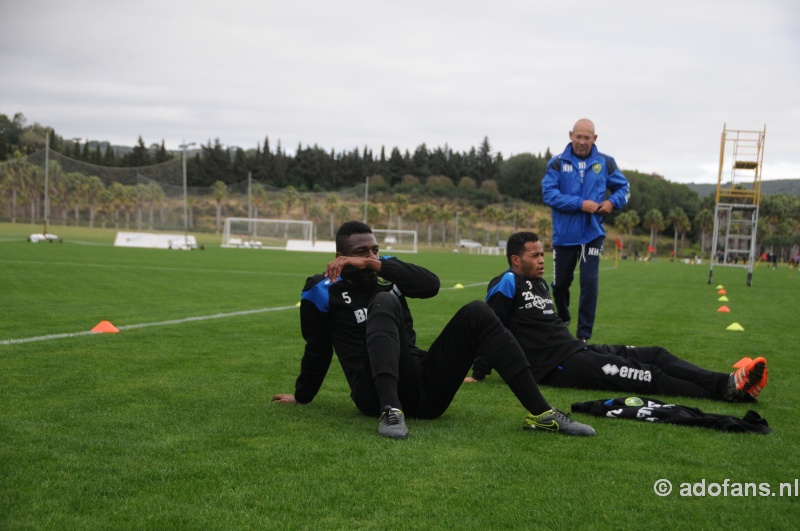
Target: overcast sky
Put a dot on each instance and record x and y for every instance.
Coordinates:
(659, 79)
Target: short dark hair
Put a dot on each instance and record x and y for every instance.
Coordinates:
(516, 244)
(347, 229)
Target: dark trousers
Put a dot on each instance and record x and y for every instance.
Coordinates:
(428, 381)
(639, 370)
(565, 258)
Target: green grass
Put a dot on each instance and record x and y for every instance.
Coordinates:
(171, 425)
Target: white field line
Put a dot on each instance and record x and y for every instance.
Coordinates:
(153, 268)
(174, 321)
(144, 325)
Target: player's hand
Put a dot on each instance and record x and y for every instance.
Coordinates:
(284, 399)
(589, 206)
(470, 379)
(605, 207)
(340, 263)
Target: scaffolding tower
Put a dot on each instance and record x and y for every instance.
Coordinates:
(736, 212)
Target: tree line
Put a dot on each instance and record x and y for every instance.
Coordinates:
(478, 178)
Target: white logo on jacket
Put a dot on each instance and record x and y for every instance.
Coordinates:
(628, 372)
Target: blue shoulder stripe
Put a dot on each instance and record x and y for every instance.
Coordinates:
(318, 294)
(506, 286)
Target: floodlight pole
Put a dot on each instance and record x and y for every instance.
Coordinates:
(250, 202)
(46, 179)
(185, 195)
(366, 198)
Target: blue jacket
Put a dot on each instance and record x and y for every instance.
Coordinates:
(570, 180)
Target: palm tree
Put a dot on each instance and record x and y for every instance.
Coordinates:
(373, 212)
(530, 215)
(401, 202)
(305, 202)
(544, 225)
(469, 221)
(94, 190)
(654, 220)
(258, 196)
(316, 214)
(626, 222)
(391, 210)
(290, 197)
(141, 193)
(428, 213)
(258, 199)
(704, 220)
(219, 190)
(117, 199)
(494, 215)
(678, 219)
(75, 192)
(106, 204)
(128, 203)
(331, 200)
(443, 215)
(8, 190)
(191, 201)
(343, 213)
(155, 197)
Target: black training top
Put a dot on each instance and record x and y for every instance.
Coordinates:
(526, 309)
(333, 317)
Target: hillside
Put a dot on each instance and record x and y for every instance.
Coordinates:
(780, 186)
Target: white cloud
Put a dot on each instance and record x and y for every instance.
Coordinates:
(659, 82)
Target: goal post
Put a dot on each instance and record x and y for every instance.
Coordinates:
(255, 233)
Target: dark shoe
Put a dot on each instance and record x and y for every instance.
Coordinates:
(393, 423)
(554, 420)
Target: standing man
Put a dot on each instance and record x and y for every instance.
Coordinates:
(574, 187)
(521, 299)
(358, 309)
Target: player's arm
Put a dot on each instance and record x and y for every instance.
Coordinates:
(340, 263)
(500, 297)
(498, 301)
(551, 190)
(318, 353)
(413, 280)
(618, 185)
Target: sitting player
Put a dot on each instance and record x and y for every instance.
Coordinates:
(521, 299)
(358, 309)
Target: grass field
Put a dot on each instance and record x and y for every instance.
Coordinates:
(169, 424)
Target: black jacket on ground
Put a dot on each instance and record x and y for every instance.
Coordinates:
(652, 410)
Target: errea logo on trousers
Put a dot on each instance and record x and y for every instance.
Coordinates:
(610, 369)
(628, 372)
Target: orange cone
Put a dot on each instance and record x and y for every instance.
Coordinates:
(104, 327)
(724, 309)
(722, 292)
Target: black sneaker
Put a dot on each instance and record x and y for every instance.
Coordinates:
(393, 423)
(554, 420)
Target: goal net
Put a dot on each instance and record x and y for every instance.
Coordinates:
(396, 241)
(254, 233)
